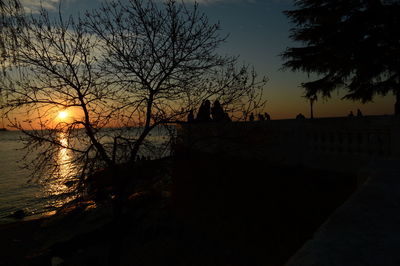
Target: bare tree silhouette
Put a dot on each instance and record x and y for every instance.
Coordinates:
(52, 69)
(165, 58)
(11, 16)
(133, 66)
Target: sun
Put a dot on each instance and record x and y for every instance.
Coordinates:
(62, 115)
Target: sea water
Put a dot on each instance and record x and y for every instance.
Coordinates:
(35, 198)
(16, 193)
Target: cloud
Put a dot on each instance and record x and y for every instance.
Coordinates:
(50, 5)
(34, 5)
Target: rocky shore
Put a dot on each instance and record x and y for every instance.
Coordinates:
(193, 210)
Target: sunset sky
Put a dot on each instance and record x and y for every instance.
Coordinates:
(259, 32)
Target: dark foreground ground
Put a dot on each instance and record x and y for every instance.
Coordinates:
(195, 210)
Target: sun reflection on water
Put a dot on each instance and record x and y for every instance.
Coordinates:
(61, 186)
(64, 158)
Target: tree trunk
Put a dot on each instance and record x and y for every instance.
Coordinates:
(90, 133)
(147, 127)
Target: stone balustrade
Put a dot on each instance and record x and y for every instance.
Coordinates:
(344, 144)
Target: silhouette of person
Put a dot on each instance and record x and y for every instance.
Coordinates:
(397, 108)
(217, 112)
(261, 117)
(204, 112)
(300, 116)
(359, 112)
(251, 118)
(190, 117)
(350, 114)
(227, 118)
(267, 116)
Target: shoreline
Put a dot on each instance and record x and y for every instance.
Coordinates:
(194, 218)
(10, 220)
(17, 241)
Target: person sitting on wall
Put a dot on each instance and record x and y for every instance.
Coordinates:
(261, 117)
(350, 114)
(204, 112)
(359, 112)
(227, 118)
(267, 116)
(251, 118)
(300, 116)
(190, 117)
(217, 112)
